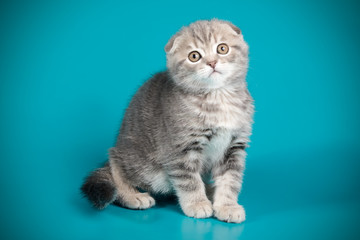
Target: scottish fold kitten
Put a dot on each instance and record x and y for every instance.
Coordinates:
(185, 130)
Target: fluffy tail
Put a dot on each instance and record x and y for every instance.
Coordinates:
(99, 188)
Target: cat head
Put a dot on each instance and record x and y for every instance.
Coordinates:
(207, 55)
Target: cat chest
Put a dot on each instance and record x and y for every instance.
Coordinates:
(215, 150)
(222, 112)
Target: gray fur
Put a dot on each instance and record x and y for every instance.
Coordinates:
(99, 187)
(171, 131)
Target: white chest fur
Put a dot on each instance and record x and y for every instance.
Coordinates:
(218, 145)
(226, 111)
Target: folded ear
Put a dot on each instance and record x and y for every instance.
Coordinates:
(235, 28)
(171, 45)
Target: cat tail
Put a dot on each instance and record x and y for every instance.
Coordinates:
(99, 187)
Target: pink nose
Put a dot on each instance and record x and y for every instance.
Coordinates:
(212, 64)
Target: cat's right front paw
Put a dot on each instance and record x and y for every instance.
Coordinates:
(233, 213)
(198, 209)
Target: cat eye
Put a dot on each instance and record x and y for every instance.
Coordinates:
(194, 56)
(222, 48)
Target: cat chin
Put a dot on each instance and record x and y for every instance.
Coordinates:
(212, 81)
(204, 83)
(213, 84)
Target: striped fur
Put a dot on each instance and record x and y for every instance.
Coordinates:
(182, 126)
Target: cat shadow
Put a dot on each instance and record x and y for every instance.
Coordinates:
(146, 216)
(210, 228)
(167, 202)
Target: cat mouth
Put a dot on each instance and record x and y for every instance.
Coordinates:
(214, 72)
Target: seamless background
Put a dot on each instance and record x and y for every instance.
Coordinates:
(68, 70)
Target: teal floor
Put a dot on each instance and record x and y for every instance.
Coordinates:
(293, 201)
(309, 221)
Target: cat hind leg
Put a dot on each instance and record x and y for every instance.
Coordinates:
(127, 195)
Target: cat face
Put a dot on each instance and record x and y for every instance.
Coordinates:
(207, 55)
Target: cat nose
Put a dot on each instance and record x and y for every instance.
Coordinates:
(212, 63)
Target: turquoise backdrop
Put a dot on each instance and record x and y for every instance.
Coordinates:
(68, 70)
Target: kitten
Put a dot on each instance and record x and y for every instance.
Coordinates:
(185, 129)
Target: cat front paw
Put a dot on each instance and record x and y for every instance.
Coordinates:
(201, 209)
(233, 213)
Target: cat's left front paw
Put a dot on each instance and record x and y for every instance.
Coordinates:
(233, 213)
